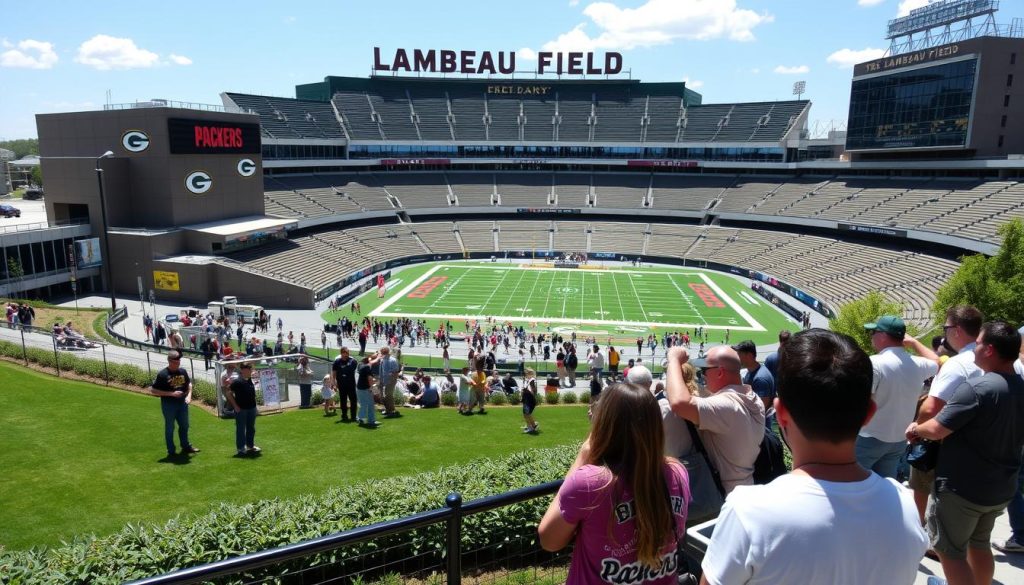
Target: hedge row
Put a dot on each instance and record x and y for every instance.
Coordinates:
(126, 374)
(229, 530)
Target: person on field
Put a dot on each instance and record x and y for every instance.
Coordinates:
(174, 387)
(242, 396)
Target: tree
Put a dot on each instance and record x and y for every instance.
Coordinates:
(14, 272)
(22, 147)
(37, 176)
(994, 285)
(852, 316)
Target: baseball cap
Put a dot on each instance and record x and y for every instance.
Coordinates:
(745, 347)
(888, 324)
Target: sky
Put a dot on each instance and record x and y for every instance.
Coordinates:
(61, 56)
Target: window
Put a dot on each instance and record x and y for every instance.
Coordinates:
(1001, 138)
(1009, 80)
(1006, 101)
(1013, 58)
(1002, 123)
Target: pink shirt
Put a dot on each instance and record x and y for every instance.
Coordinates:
(587, 499)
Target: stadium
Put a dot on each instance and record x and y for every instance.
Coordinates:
(597, 205)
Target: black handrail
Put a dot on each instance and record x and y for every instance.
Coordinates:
(453, 513)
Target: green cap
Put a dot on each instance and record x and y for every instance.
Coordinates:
(888, 324)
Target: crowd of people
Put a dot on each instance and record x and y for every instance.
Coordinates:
(848, 419)
(841, 515)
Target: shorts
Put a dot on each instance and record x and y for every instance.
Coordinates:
(528, 409)
(327, 394)
(922, 481)
(954, 523)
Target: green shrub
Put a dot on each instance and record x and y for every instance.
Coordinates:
(569, 397)
(515, 398)
(449, 399)
(230, 529)
(551, 397)
(316, 399)
(498, 399)
(584, 397)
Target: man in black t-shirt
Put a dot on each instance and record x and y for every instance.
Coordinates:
(982, 433)
(343, 378)
(174, 388)
(242, 396)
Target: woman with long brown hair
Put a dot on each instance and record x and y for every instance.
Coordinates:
(623, 500)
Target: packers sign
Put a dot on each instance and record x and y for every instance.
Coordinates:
(212, 137)
(166, 281)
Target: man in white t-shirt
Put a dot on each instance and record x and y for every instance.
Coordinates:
(897, 383)
(730, 420)
(960, 329)
(829, 520)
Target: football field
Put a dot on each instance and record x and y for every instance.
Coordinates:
(621, 301)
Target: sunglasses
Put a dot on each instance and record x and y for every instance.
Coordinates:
(706, 369)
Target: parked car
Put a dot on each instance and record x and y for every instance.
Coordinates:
(9, 211)
(32, 193)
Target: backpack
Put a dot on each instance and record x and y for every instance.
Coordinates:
(770, 462)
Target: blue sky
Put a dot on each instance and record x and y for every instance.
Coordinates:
(65, 56)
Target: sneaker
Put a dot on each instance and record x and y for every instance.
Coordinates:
(1010, 546)
(191, 449)
(241, 453)
(254, 449)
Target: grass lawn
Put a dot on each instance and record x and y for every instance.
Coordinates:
(79, 458)
(621, 303)
(83, 320)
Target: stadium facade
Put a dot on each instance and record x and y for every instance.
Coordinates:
(354, 176)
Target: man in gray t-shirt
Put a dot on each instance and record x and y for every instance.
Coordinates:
(982, 429)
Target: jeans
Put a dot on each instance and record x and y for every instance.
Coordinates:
(1016, 509)
(245, 428)
(881, 457)
(367, 412)
(175, 411)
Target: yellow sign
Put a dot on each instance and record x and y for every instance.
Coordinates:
(165, 280)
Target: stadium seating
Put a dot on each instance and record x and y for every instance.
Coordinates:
(428, 114)
(616, 190)
(472, 189)
(524, 189)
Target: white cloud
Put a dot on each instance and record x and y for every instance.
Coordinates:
(29, 54)
(179, 59)
(869, 2)
(846, 58)
(795, 70)
(907, 5)
(104, 52)
(6, 44)
(526, 54)
(658, 22)
(573, 2)
(695, 84)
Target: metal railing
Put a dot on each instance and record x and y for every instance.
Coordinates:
(450, 563)
(161, 103)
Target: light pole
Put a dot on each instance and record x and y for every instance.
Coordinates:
(107, 260)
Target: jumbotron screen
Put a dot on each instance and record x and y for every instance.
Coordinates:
(918, 108)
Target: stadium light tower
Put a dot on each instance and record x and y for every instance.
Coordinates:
(799, 88)
(107, 260)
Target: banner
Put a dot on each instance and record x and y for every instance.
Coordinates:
(87, 253)
(271, 391)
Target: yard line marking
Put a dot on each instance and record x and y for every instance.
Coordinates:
(529, 298)
(547, 299)
(449, 288)
(729, 301)
(494, 292)
(618, 296)
(514, 289)
(600, 300)
(639, 301)
(565, 294)
(688, 300)
(412, 285)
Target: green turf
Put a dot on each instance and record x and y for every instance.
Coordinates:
(79, 458)
(619, 302)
